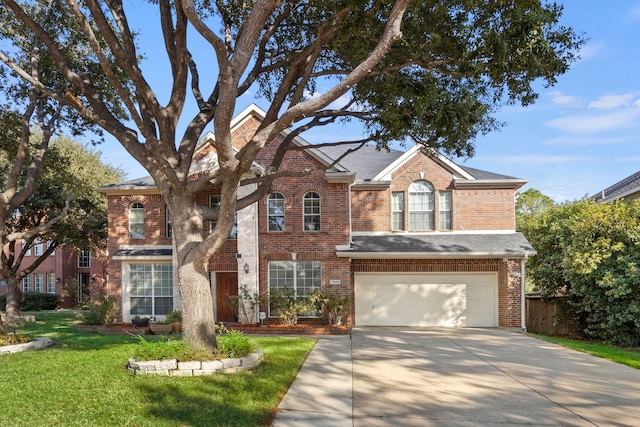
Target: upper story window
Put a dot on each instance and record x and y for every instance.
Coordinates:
(38, 248)
(136, 221)
(214, 201)
(311, 211)
(275, 212)
(84, 259)
(421, 206)
(444, 209)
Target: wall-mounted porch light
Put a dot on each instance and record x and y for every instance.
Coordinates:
(246, 268)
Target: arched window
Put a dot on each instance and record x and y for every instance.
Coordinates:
(421, 206)
(136, 221)
(275, 212)
(311, 211)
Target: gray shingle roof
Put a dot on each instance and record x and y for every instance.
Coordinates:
(440, 245)
(628, 185)
(367, 162)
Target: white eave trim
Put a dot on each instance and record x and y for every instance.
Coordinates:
(340, 177)
(430, 255)
(370, 185)
(488, 183)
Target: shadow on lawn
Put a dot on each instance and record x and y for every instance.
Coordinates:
(206, 401)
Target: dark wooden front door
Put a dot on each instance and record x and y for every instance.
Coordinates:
(226, 284)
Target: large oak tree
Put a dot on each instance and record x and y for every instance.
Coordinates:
(428, 71)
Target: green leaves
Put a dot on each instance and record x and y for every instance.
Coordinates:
(590, 253)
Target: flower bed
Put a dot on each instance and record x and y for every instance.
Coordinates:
(300, 329)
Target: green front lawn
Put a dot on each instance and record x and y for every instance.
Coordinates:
(605, 351)
(82, 381)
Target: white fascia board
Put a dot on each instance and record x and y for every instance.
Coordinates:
(385, 174)
(489, 183)
(430, 255)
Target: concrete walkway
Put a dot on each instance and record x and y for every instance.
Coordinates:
(456, 377)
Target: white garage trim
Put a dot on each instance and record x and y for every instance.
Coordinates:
(426, 299)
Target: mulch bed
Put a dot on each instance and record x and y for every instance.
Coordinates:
(299, 329)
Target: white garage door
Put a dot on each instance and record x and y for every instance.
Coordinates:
(398, 299)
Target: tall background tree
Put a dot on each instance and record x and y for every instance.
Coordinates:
(62, 210)
(428, 71)
(589, 254)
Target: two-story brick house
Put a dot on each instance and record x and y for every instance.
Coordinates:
(414, 239)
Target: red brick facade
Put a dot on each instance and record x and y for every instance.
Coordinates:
(345, 209)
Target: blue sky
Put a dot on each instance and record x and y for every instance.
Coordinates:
(582, 135)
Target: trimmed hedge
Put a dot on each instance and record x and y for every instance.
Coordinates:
(33, 301)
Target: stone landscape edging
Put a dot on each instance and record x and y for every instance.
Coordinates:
(37, 344)
(195, 368)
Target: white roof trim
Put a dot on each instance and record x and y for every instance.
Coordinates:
(429, 255)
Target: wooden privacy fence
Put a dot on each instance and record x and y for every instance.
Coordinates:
(545, 317)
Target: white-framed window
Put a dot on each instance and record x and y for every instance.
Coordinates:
(445, 209)
(397, 210)
(275, 212)
(214, 201)
(169, 223)
(84, 258)
(295, 278)
(51, 283)
(38, 248)
(136, 220)
(311, 211)
(38, 282)
(26, 283)
(49, 243)
(421, 206)
(24, 244)
(150, 289)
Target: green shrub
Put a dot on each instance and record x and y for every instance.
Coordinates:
(33, 301)
(234, 344)
(288, 307)
(102, 311)
(332, 305)
(36, 301)
(165, 349)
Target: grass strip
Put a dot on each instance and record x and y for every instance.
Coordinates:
(629, 357)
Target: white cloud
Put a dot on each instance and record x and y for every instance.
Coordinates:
(591, 50)
(559, 98)
(587, 123)
(634, 13)
(609, 102)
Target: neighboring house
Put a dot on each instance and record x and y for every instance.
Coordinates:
(628, 189)
(414, 240)
(65, 265)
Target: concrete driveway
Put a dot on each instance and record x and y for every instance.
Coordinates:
(457, 377)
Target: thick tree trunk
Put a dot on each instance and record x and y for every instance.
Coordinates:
(14, 296)
(196, 304)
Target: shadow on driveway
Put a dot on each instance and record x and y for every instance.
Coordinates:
(433, 376)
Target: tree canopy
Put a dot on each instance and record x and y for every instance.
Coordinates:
(62, 209)
(432, 72)
(589, 254)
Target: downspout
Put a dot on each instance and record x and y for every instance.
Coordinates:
(522, 294)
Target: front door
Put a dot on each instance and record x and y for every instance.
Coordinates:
(226, 285)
